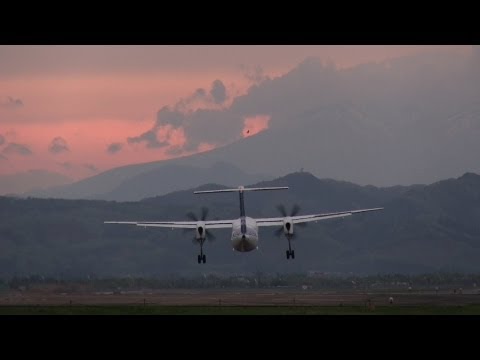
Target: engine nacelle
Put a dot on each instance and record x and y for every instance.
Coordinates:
(288, 226)
(200, 232)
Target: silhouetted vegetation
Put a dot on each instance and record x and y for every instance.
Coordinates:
(250, 281)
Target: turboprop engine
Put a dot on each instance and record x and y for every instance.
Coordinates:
(287, 227)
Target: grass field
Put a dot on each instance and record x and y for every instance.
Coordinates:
(238, 310)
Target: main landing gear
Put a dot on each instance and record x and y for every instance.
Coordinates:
(201, 257)
(290, 253)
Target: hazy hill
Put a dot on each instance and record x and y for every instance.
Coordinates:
(30, 181)
(173, 177)
(138, 182)
(423, 228)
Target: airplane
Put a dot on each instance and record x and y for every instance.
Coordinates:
(244, 229)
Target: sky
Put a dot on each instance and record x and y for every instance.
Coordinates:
(80, 110)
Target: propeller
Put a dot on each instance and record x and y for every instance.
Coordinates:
(191, 215)
(203, 217)
(293, 212)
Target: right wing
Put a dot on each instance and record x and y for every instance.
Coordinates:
(211, 224)
(307, 218)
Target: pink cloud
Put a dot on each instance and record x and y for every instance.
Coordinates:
(205, 147)
(255, 124)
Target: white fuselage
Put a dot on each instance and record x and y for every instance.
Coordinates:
(246, 240)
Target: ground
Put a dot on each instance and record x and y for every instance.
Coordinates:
(244, 301)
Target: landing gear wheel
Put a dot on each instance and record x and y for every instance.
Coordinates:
(199, 259)
(288, 254)
(292, 253)
(204, 258)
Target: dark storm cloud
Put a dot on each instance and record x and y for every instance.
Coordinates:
(212, 126)
(203, 125)
(166, 116)
(91, 167)
(10, 102)
(2, 139)
(310, 85)
(114, 148)
(218, 92)
(216, 127)
(150, 138)
(217, 95)
(58, 145)
(17, 149)
(200, 95)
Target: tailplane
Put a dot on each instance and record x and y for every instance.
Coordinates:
(241, 189)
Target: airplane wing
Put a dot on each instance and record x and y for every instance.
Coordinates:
(307, 218)
(211, 224)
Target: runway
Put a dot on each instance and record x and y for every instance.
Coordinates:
(240, 297)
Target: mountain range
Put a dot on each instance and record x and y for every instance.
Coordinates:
(423, 228)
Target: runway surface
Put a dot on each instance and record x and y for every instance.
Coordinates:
(242, 297)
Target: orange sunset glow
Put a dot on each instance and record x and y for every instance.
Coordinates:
(253, 125)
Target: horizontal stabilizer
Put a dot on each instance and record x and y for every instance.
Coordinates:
(241, 189)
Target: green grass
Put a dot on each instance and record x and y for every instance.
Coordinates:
(238, 310)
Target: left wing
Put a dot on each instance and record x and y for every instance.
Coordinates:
(211, 224)
(307, 218)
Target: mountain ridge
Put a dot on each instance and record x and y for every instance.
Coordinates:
(423, 228)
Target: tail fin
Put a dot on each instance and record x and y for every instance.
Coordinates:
(241, 189)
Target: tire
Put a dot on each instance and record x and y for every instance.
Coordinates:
(204, 259)
(293, 254)
(199, 259)
(288, 254)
